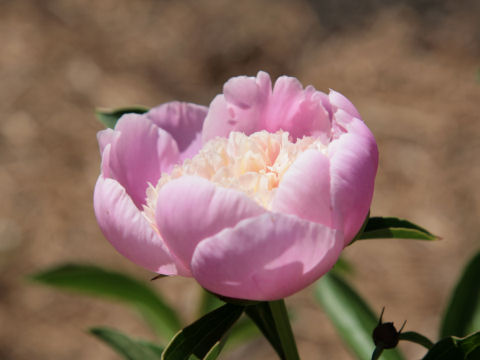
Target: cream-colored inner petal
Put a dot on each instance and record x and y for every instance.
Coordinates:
(253, 164)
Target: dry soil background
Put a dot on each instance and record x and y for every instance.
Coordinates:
(411, 68)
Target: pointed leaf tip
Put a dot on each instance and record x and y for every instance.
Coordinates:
(129, 349)
(103, 283)
(394, 228)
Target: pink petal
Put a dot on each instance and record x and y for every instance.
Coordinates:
(129, 232)
(267, 257)
(298, 111)
(354, 162)
(105, 166)
(183, 121)
(192, 149)
(242, 91)
(249, 104)
(305, 189)
(105, 137)
(139, 154)
(220, 122)
(191, 209)
(311, 117)
(341, 102)
(240, 108)
(287, 92)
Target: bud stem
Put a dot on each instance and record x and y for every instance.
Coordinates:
(284, 330)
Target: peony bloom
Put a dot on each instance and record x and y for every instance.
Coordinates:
(254, 197)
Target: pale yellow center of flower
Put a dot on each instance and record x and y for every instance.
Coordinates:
(253, 164)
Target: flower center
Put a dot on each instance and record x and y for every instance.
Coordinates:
(253, 164)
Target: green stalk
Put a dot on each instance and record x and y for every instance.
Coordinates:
(284, 330)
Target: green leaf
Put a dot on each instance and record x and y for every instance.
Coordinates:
(454, 348)
(462, 315)
(200, 337)
(129, 348)
(243, 330)
(284, 330)
(110, 117)
(214, 351)
(107, 284)
(351, 316)
(393, 228)
(417, 338)
(262, 316)
(343, 267)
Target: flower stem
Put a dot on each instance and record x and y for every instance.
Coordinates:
(284, 330)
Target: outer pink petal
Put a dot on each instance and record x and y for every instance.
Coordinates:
(128, 231)
(105, 166)
(139, 154)
(354, 162)
(183, 121)
(341, 102)
(191, 209)
(240, 108)
(267, 257)
(105, 137)
(305, 189)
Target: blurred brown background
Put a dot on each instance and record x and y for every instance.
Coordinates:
(410, 67)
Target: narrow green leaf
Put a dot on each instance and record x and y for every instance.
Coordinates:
(262, 316)
(343, 267)
(157, 349)
(462, 315)
(199, 337)
(284, 330)
(214, 351)
(393, 228)
(129, 348)
(454, 348)
(110, 117)
(351, 316)
(243, 330)
(107, 284)
(417, 338)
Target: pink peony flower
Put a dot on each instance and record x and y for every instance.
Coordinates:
(255, 196)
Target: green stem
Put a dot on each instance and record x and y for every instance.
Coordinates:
(284, 330)
(377, 352)
(416, 338)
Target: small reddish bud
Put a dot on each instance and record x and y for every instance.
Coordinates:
(386, 335)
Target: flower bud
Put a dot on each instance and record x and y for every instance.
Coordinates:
(385, 335)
